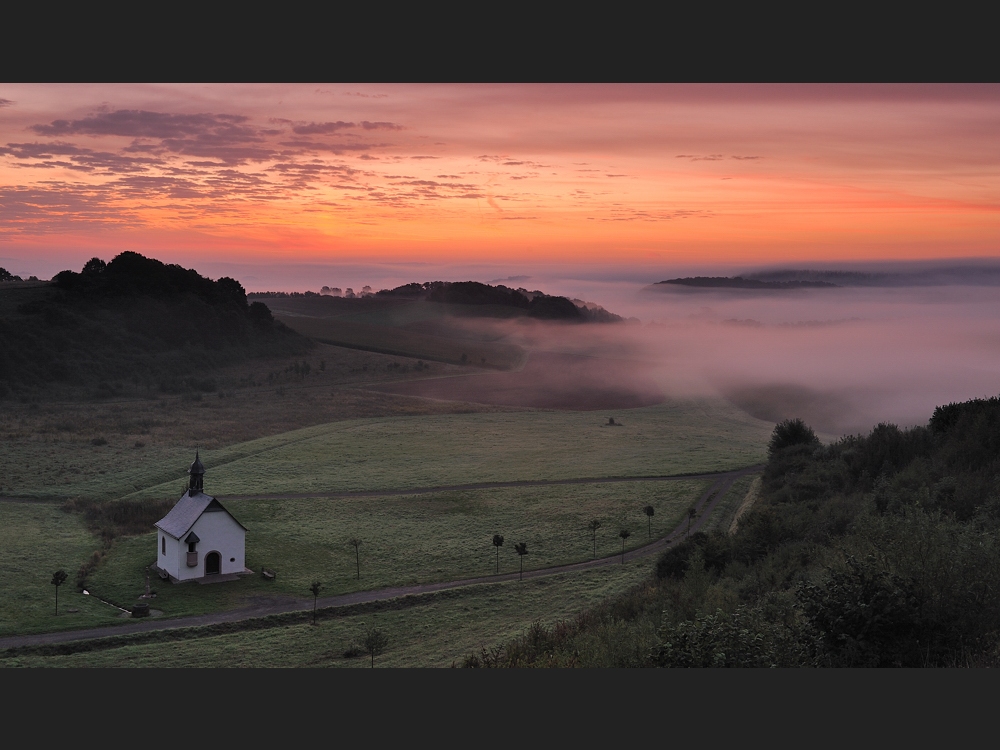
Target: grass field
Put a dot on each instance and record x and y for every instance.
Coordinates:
(279, 432)
(405, 342)
(439, 631)
(50, 451)
(441, 628)
(39, 539)
(405, 540)
(436, 450)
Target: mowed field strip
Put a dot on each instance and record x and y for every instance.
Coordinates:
(397, 453)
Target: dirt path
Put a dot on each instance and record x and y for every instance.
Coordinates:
(704, 507)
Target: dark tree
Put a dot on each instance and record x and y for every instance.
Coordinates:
(356, 543)
(791, 432)
(650, 512)
(315, 588)
(94, 267)
(521, 549)
(260, 315)
(58, 579)
(374, 643)
(498, 543)
(624, 534)
(594, 526)
(691, 514)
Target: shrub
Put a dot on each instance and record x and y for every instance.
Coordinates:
(791, 432)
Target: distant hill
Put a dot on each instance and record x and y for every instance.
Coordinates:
(132, 322)
(483, 300)
(430, 321)
(739, 282)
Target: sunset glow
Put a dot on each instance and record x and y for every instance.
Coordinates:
(642, 176)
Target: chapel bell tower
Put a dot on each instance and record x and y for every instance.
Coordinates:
(197, 472)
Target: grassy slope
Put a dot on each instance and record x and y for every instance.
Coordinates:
(39, 539)
(405, 342)
(416, 329)
(405, 540)
(436, 633)
(441, 629)
(49, 453)
(427, 537)
(404, 452)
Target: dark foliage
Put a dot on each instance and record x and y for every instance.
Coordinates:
(134, 321)
(554, 308)
(533, 304)
(744, 638)
(789, 433)
(879, 550)
(738, 282)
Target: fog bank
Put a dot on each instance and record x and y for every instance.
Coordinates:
(844, 359)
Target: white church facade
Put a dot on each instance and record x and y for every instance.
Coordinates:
(199, 539)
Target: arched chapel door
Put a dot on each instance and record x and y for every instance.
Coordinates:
(213, 563)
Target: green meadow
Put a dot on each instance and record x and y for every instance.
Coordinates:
(438, 630)
(449, 449)
(405, 539)
(401, 452)
(39, 539)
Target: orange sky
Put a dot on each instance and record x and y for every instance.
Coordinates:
(638, 175)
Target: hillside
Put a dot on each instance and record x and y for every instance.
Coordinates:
(132, 324)
(875, 551)
(439, 321)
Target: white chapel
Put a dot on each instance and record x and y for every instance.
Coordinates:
(199, 539)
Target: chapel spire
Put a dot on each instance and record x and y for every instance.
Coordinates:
(197, 472)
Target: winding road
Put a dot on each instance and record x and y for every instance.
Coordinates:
(723, 481)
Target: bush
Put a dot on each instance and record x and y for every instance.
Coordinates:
(740, 639)
(791, 432)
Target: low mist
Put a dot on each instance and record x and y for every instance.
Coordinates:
(843, 359)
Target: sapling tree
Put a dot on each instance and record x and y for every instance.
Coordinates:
(521, 548)
(594, 525)
(374, 643)
(316, 587)
(58, 579)
(650, 512)
(624, 534)
(356, 543)
(498, 543)
(692, 512)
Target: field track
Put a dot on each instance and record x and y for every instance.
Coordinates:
(704, 506)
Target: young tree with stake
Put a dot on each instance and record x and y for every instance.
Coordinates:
(650, 512)
(521, 549)
(498, 543)
(315, 588)
(58, 579)
(624, 534)
(594, 526)
(374, 643)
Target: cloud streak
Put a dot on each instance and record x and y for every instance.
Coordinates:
(590, 172)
